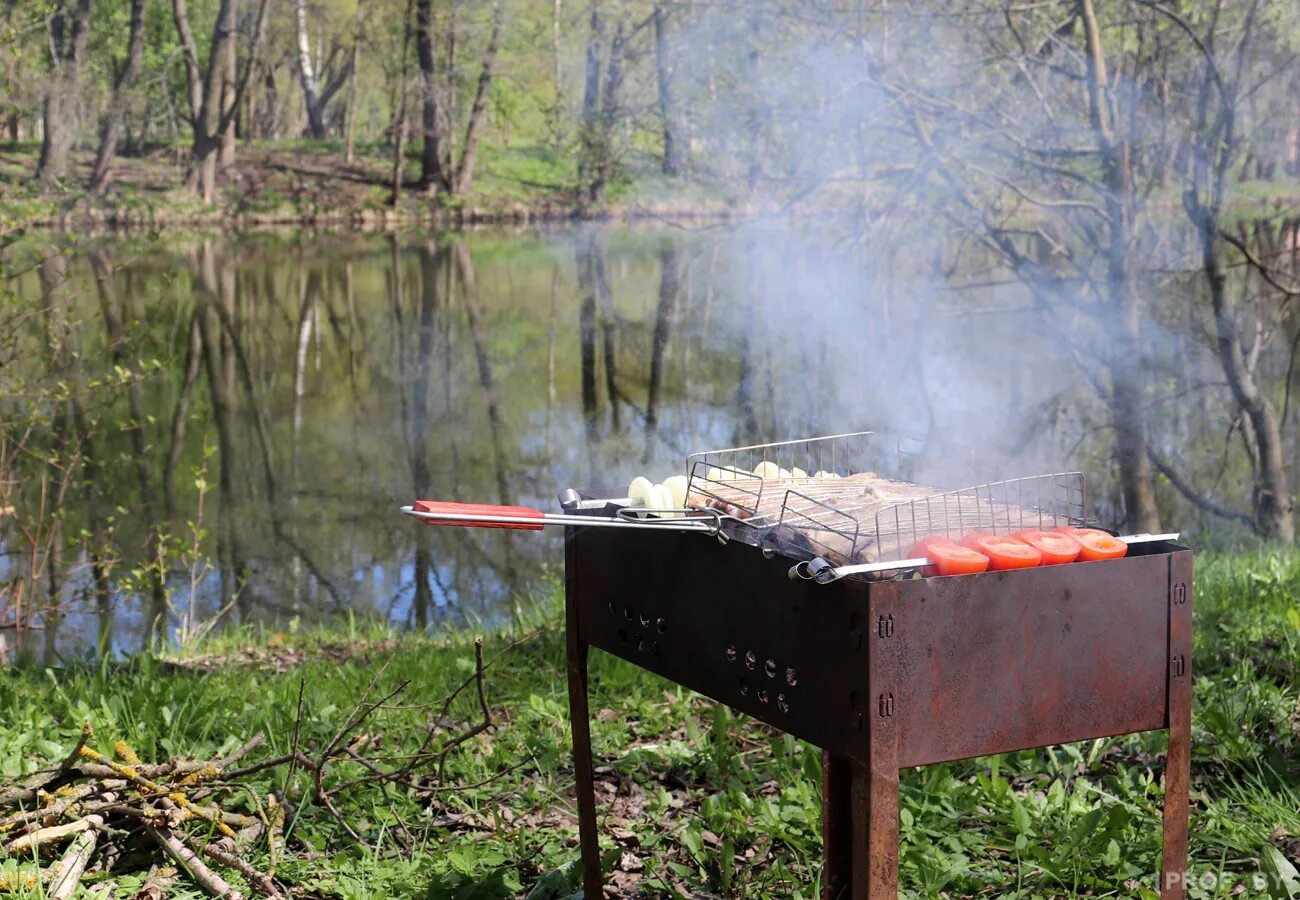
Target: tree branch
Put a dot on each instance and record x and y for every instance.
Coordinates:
(1190, 493)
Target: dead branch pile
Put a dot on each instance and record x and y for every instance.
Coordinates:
(202, 819)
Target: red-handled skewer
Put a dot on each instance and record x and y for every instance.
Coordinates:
(480, 515)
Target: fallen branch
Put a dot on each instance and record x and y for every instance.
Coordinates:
(211, 883)
(99, 807)
(51, 834)
(258, 879)
(67, 875)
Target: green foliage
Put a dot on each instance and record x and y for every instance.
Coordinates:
(707, 801)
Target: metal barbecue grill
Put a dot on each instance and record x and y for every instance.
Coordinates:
(831, 632)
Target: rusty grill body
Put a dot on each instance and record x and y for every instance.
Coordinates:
(888, 674)
(795, 598)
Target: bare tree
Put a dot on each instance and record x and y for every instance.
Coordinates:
(431, 170)
(122, 85)
(592, 150)
(69, 30)
(1218, 146)
(464, 177)
(668, 111)
(399, 119)
(1040, 167)
(602, 108)
(440, 170)
(213, 107)
(358, 32)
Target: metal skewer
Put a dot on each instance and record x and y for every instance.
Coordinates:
(708, 524)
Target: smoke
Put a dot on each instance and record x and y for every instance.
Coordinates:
(878, 156)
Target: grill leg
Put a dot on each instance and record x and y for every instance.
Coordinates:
(875, 832)
(837, 828)
(1178, 764)
(579, 714)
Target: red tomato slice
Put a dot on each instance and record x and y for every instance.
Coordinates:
(1004, 552)
(949, 558)
(1057, 548)
(1096, 544)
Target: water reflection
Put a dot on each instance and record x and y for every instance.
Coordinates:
(276, 397)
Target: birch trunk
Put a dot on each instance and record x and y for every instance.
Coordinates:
(307, 73)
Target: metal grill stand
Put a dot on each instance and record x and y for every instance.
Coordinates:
(891, 674)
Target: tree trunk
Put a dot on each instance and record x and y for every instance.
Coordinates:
(207, 124)
(349, 150)
(217, 108)
(1126, 364)
(591, 150)
(1270, 495)
(555, 114)
(478, 112)
(229, 104)
(68, 33)
(112, 131)
(307, 75)
(11, 121)
(399, 138)
(432, 175)
(190, 53)
(757, 115)
(607, 119)
(672, 159)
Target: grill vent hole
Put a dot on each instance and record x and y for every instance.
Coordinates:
(622, 635)
(645, 620)
(731, 653)
(661, 625)
(640, 645)
(782, 703)
(770, 668)
(791, 676)
(628, 613)
(744, 688)
(751, 659)
(654, 648)
(762, 696)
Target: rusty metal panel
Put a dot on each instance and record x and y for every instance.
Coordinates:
(730, 624)
(1012, 660)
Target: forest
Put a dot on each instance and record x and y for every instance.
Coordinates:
(573, 104)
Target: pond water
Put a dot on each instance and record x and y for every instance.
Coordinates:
(267, 401)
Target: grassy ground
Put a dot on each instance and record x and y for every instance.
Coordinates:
(695, 800)
(303, 181)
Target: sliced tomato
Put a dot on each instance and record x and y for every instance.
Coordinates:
(1057, 547)
(1003, 552)
(1096, 544)
(950, 558)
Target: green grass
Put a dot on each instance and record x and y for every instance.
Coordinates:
(709, 802)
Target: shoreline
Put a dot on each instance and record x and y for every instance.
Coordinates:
(311, 187)
(286, 185)
(81, 214)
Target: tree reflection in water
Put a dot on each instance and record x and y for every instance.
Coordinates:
(313, 383)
